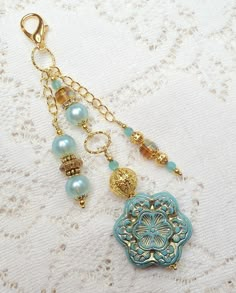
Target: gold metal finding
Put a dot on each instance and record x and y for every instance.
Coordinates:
(161, 158)
(123, 182)
(81, 201)
(173, 267)
(137, 137)
(51, 101)
(99, 150)
(178, 172)
(71, 165)
(38, 36)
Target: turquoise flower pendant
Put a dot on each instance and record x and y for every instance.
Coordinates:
(153, 230)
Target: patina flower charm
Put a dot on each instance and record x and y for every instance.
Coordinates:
(153, 230)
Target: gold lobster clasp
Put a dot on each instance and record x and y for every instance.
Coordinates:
(39, 35)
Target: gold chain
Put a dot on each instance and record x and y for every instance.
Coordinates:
(51, 101)
(91, 99)
(52, 72)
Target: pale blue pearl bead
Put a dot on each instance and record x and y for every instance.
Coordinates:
(63, 145)
(77, 186)
(76, 114)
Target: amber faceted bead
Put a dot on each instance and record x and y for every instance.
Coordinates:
(148, 149)
(64, 94)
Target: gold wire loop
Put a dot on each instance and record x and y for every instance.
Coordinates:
(50, 54)
(39, 35)
(99, 150)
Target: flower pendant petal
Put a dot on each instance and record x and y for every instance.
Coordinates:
(153, 230)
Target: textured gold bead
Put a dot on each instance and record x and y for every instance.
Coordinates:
(148, 149)
(123, 182)
(136, 137)
(161, 158)
(63, 95)
(71, 165)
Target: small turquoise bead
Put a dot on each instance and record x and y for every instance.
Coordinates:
(76, 114)
(56, 84)
(171, 166)
(63, 145)
(77, 186)
(113, 165)
(128, 131)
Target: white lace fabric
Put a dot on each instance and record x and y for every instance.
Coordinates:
(167, 68)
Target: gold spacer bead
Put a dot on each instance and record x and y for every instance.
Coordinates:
(161, 158)
(82, 203)
(178, 172)
(173, 267)
(108, 157)
(85, 127)
(59, 131)
(137, 137)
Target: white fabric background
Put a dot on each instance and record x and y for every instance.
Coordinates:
(167, 68)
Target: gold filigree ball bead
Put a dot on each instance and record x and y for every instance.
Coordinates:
(71, 165)
(148, 149)
(123, 182)
(161, 158)
(65, 96)
(136, 137)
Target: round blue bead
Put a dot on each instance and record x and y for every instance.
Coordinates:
(171, 166)
(77, 186)
(113, 165)
(56, 84)
(76, 114)
(128, 131)
(63, 145)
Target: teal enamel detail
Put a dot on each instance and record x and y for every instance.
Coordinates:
(63, 145)
(77, 186)
(128, 131)
(171, 166)
(153, 230)
(113, 165)
(76, 114)
(56, 84)
(147, 230)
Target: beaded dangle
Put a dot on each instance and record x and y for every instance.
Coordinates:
(63, 146)
(151, 228)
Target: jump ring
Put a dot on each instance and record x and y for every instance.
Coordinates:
(53, 61)
(99, 150)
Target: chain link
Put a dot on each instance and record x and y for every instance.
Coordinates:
(51, 101)
(91, 99)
